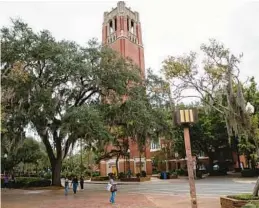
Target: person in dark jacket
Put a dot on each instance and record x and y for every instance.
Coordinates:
(82, 183)
(75, 184)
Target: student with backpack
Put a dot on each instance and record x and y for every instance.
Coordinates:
(113, 189)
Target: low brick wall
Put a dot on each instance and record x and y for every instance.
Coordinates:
(232, 203)
(100, 178)
(142, 179)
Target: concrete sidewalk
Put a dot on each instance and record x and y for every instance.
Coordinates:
(92, 199)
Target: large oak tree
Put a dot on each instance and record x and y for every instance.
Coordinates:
(64, 84)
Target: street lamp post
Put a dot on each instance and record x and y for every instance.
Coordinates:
(81, 158)
(250, 110)
(128, 155)
(185, 118)
(5, 157)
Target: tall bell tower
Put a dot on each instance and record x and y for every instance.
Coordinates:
(122, 32)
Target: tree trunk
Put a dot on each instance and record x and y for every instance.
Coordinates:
(256, 188)
(56, 171)
(117, 164)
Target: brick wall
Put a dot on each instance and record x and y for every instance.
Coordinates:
(149, 167)
(103, 169)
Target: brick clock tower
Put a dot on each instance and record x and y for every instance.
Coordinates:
(122, 32)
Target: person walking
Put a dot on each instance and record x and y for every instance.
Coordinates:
(6, 181)
(75, 184)
(82, 183)
(12, 181)
(113, 189)
(66, 186)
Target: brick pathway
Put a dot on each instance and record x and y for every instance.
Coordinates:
(86, 198)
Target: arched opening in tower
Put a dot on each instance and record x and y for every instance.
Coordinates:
(130, 25)
(115, 23)
(111, 27)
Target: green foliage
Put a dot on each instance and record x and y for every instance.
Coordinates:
(244, 197)
(249, 205)
(207, 135)
(61, 86)
(143, 173)
(158, 90)
(30, 151)
(27, 152)
(214, 86)
(142, 116)
(72, 164)
(249, 145)
(122, 175)
(22, 182)
(180, 172)
(47, 175)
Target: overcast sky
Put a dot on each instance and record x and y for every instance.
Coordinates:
(170, 27)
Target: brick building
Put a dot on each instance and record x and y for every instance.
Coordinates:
(169, 161)
(122, 32)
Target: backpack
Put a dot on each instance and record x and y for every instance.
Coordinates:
(114, 188)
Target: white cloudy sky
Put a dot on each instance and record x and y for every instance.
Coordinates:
(170, 27)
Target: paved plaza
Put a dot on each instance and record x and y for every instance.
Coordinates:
(154, 194)
(93, 199)
(210, 186)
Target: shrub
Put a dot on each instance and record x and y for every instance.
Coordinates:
(168, 174)
(249, 205)
(24, 182)
(248, 173)
(143, 173)
(138, 175)
(110, 174)
(155, 172)
(121, 175)
(94, 174)
(47, 175)
(100, 178)
(87, 172)
(180, 172)
(244, 197)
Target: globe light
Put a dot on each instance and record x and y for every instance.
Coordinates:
(249, 108)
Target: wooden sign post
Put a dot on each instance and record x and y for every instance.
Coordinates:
(185, 118)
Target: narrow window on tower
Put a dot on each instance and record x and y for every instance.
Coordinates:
(115, 23)
(111, 27)
(128, 24)
(132, 26)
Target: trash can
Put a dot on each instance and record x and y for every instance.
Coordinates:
(164, 175)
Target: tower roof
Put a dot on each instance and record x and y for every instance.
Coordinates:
(121, 10)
